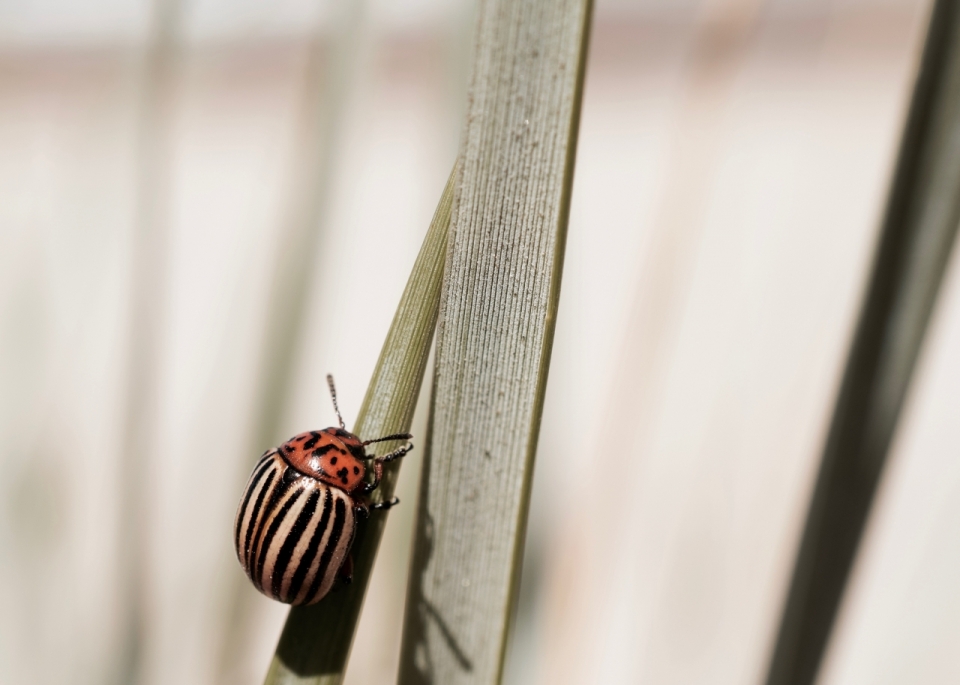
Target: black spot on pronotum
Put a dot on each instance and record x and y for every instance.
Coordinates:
(323, 449)
(356, 469)
(333, 460)
(312, 442)
(342, 475)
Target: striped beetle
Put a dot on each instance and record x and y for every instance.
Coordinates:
(298, 514)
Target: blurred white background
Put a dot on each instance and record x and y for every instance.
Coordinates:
(176, 177)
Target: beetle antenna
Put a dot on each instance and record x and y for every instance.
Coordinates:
(333, 396)
(395, 436)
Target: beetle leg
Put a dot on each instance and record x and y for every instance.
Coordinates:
(380, 461)
(386, 505)
(377, 475)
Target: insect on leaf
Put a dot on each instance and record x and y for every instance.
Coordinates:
(316, 640)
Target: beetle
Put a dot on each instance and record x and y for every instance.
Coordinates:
(298, 513)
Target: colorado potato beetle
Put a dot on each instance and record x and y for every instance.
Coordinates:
(298, 514)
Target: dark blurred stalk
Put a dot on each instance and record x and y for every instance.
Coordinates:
(148, 283)
(917, 234)
(331, 72)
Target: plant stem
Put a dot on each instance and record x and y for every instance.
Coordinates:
(919, 228)
(316, 640)
(494, 338)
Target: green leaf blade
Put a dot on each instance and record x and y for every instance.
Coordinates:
(494, 338)
(316, 640)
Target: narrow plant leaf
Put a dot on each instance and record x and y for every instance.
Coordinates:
(914, 247)
(316, 640)
(494, 337)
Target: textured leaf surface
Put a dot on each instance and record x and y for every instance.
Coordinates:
(494, 337)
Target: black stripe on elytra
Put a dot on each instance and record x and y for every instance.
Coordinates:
(306, 561)
(272, 530)
(339, 519)
(280, 489)
(254, 515)
(293, 538)
(312, 442)
(254, 480)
